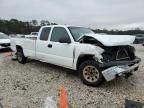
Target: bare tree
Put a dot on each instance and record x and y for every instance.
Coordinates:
(34, 22)
(44, 22)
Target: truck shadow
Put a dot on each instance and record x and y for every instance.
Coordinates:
(53, 67)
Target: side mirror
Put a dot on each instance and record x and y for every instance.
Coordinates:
(65, 40)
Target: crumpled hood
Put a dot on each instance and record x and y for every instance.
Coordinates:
(113, 40)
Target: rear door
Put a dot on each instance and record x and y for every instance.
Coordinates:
(42, 44)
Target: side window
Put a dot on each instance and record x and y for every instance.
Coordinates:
(57, 33)
(45, 33)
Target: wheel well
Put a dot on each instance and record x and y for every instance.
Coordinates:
(83, 58)
(18, 47)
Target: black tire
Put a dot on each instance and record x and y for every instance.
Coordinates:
(1, 106)
(96, 78)
(20, 56)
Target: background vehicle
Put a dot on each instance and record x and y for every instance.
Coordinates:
(34, 33)
(139, 39)
(96, 57)
(4, 41)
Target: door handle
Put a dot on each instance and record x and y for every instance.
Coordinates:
(50, 45)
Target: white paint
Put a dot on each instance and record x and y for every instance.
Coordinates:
(4, 41)
(110, 73)
(64, 54)
(113, 40)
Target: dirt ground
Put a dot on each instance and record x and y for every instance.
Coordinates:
(27, 86)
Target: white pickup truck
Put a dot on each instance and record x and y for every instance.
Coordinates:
(96, 57)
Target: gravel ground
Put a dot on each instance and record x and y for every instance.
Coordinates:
(27, 86)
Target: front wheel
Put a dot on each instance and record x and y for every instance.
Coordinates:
(90, 73)
(20, 56)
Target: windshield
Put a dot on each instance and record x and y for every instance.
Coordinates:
(3, 36)
(77, 32)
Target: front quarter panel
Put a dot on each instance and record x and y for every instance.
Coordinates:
(87, 49)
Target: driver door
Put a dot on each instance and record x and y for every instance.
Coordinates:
(60, 53)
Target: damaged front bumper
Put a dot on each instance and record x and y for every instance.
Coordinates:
(119, 68)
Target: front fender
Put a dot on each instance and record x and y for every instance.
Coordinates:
(87, 49)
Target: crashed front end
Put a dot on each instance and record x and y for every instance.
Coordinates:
(118, 57)
(119, 61)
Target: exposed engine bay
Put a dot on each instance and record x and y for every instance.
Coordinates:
(112, 53)
(118, 53)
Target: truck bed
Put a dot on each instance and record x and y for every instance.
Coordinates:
(28, 43)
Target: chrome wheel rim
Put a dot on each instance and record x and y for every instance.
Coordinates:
(91, 73)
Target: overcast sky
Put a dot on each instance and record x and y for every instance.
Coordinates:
(110, 14)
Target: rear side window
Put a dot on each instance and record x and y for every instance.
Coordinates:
(45, 33)
(57, 33)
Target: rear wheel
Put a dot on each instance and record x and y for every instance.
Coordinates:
(20, 56)
(90, 73)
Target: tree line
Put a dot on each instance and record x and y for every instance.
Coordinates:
(14, 26)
